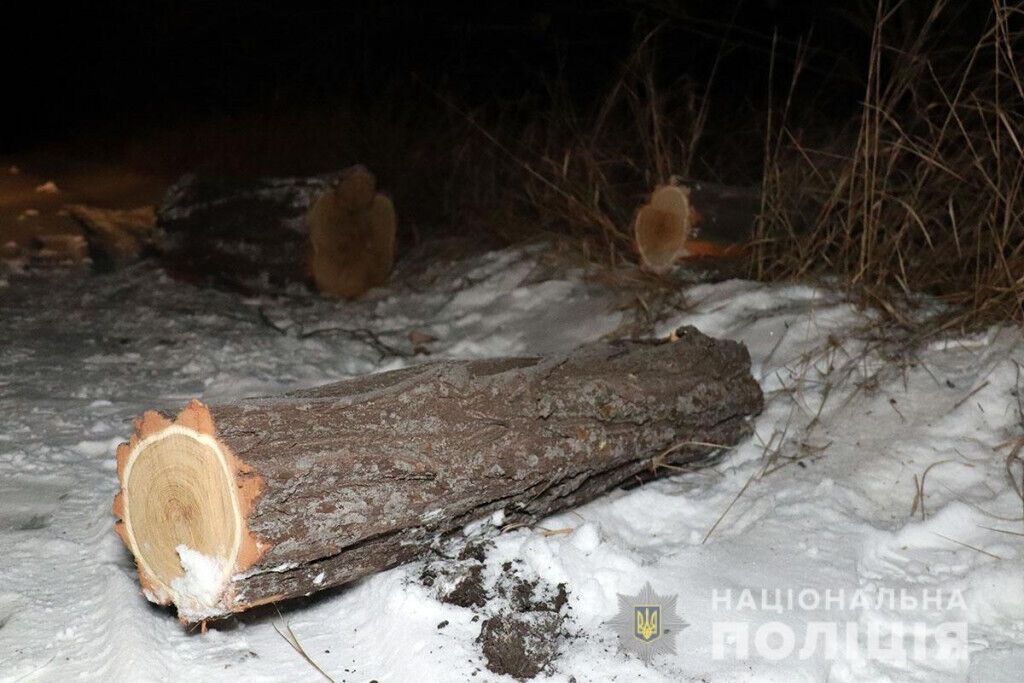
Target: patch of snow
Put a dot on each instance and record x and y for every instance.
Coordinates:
(199, 589)
(484, 525)
(95, 449)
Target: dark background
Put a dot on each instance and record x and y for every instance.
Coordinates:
(109, 71)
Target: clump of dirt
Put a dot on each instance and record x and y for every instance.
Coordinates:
(531, 595)
(523, 627)
(521, 645)
(527, 630)
(475, 550)
(469, 591)
(458, 577)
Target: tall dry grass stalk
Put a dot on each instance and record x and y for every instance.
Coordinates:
(928, 194)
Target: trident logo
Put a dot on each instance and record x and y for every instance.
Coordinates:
(647, 622)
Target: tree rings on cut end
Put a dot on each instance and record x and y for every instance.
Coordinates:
(183, 512)
(663, 227)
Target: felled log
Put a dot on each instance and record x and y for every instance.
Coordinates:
(236, 505)
(727, 212)
(334, 232)
(116, 236)
(694, 220)
(246, 236)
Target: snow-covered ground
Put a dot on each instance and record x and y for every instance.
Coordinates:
(823, 504)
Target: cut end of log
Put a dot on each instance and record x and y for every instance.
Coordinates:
(183, 503)
(351, 236)
(663, 227)
(120, 235)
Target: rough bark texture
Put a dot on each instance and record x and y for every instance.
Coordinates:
(247, 236)
(362, 475)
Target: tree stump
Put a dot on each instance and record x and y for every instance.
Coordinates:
(236, 505)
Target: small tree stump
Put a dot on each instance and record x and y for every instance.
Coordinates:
(236, 505)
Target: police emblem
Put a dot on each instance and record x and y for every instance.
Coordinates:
(647, 623)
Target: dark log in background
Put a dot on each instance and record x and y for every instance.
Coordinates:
(360, 476)
(247, 236)
(728, 213)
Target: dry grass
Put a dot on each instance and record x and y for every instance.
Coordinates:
(293, 642)
(586, 173)
(927, 197)
(922, 192)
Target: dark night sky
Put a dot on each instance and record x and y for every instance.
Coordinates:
(121, 67)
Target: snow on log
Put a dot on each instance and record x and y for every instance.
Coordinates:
(236, 505)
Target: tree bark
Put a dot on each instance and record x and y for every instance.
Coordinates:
(727, 212)
(272, 498)
(247, 236)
